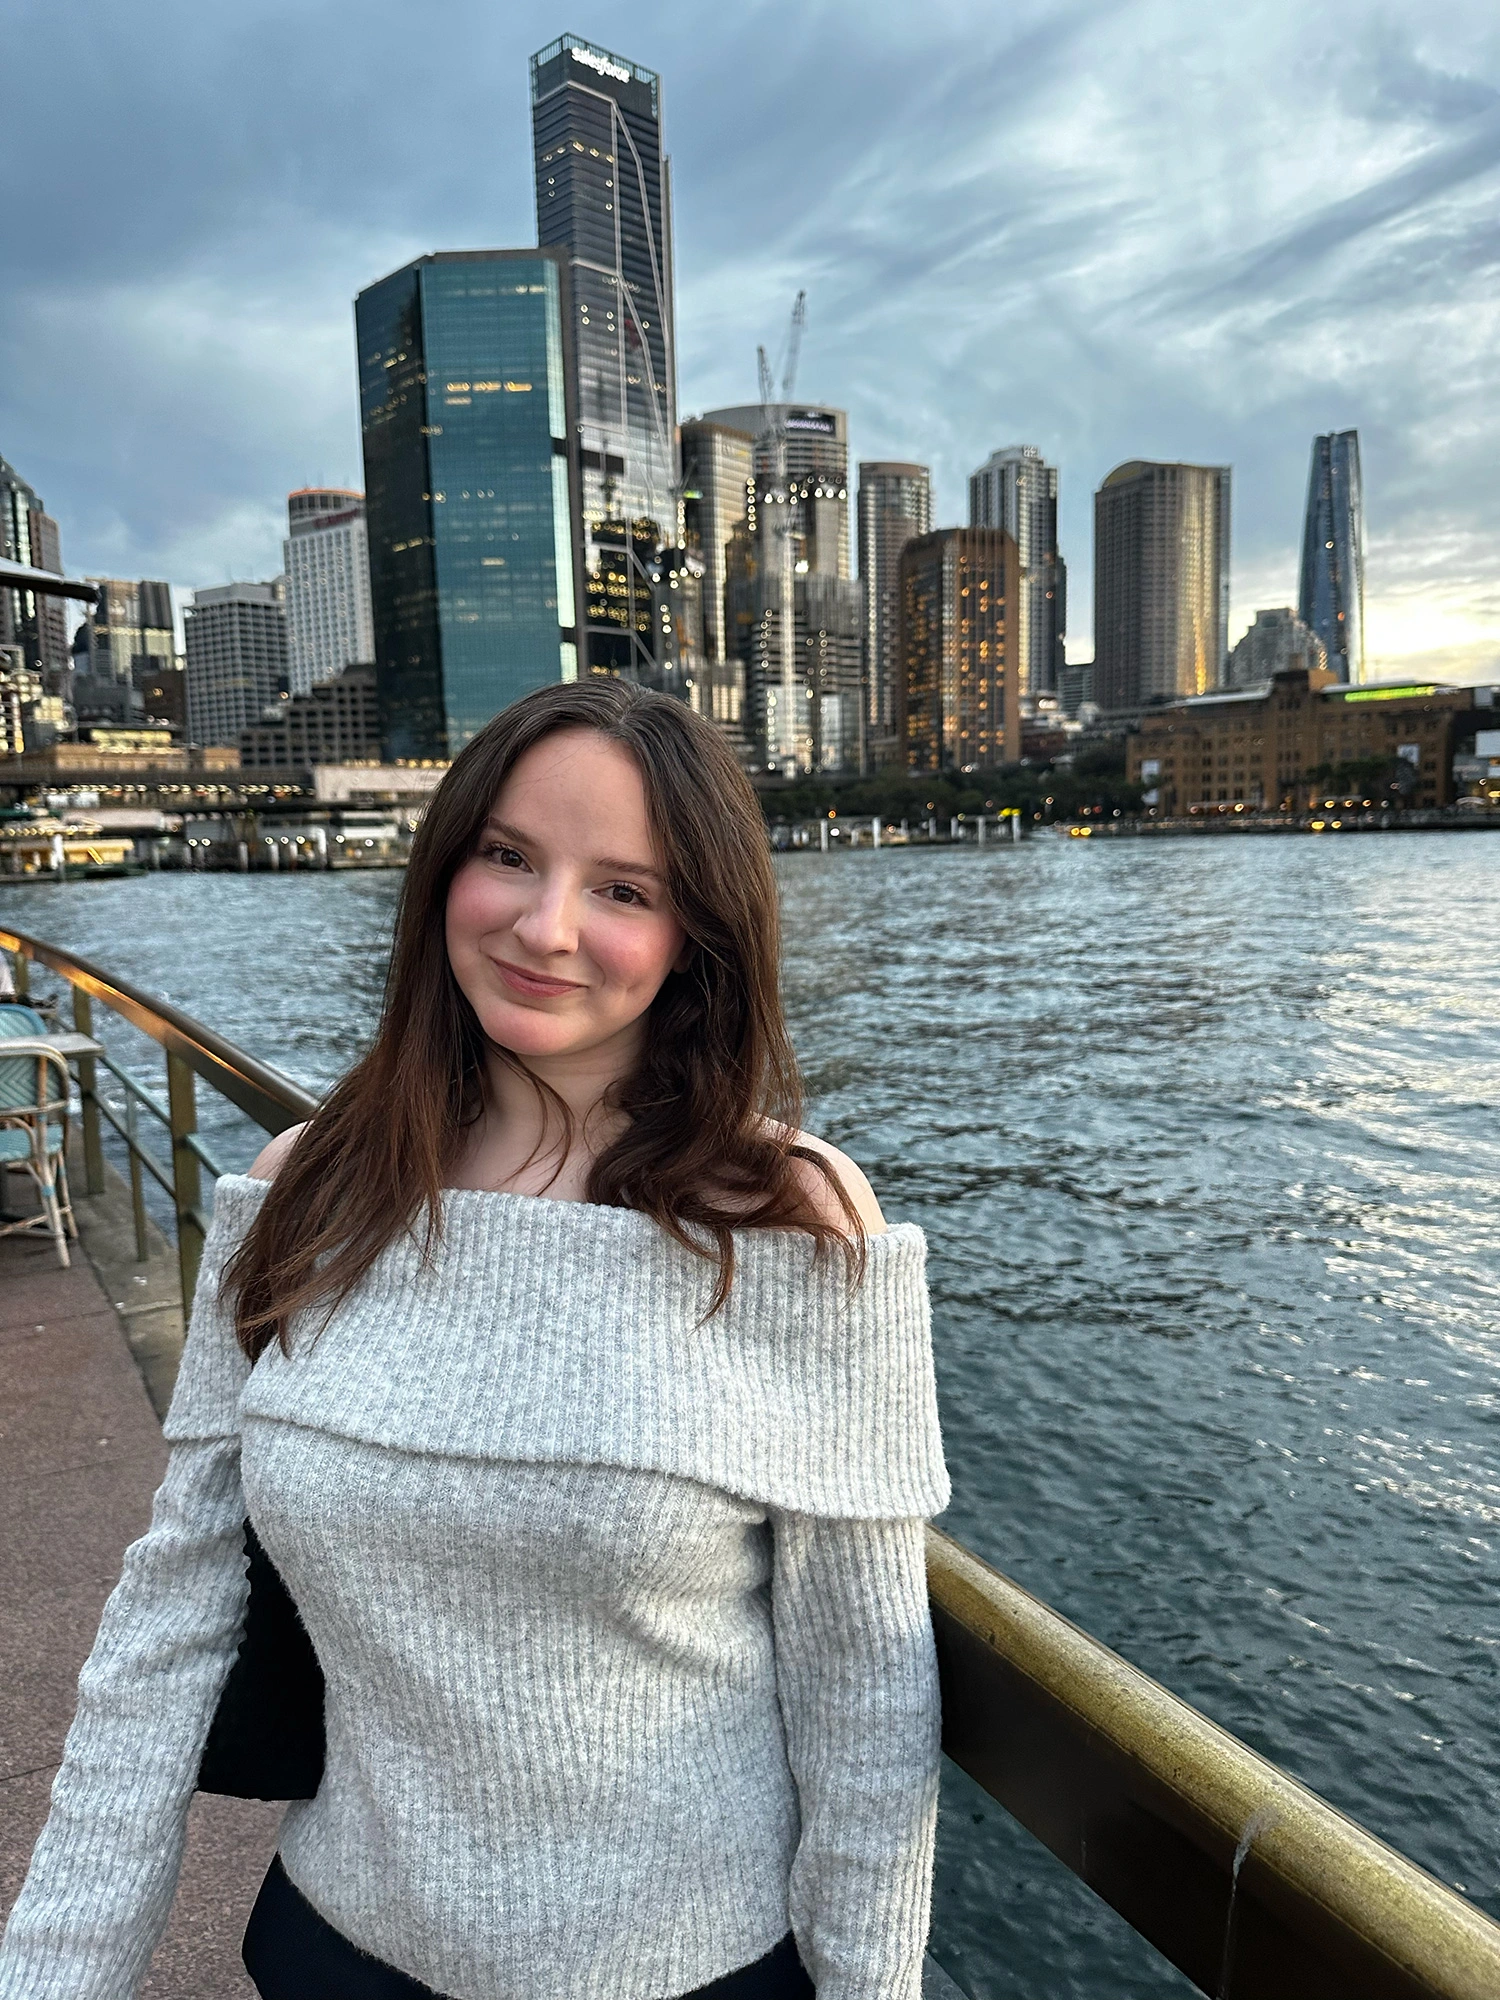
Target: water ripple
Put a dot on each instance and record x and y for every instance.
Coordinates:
(1203, 1138)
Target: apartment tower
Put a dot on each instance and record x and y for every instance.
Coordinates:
(1161, 583)
(958, 695)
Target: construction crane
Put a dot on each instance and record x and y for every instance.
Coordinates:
(793, 353)
(793, 347)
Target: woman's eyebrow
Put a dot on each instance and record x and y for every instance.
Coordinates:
(606, 862)
(630, 867)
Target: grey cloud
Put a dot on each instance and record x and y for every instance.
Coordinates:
(1009, 222)
(1441, 169)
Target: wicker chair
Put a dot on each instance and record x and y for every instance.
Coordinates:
(34, 1100)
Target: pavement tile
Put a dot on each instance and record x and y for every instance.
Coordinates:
(63, 1390)
(81, 1454)
(33, 1289)
(78, 1523)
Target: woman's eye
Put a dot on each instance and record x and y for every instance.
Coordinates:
(625, 892)
(508, 857)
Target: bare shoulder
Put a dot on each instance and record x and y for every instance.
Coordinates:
(270, 1157)
(850, 1179)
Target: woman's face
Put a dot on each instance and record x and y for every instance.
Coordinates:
(559, 930)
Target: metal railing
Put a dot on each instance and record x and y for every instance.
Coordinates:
(1248, 1882)
(272, 1100)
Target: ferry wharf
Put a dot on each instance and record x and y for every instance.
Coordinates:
(1249, 1883)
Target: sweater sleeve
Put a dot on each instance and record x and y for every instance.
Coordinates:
(105, 1867)
(857, 1680)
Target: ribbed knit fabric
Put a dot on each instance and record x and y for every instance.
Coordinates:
(622, 1612)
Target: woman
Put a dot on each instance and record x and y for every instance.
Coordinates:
(586, 1409)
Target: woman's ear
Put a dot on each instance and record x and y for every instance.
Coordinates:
(685, 957)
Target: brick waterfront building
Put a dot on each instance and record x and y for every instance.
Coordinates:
(1261, 746)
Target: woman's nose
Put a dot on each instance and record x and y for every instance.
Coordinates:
(549, 923)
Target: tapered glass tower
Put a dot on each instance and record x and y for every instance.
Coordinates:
(1332, 597)
(603, 199)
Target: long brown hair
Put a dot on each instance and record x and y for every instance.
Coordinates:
(713, 1108)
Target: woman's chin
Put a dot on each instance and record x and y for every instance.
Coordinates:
(523, 1033)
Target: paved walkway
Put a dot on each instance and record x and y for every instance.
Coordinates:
(81, 1453)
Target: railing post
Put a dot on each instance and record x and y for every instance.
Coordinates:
(23, 976)
(187, 1183)
(137, 1185)
(88, 1084)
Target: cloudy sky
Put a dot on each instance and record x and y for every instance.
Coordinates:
(1111, 228)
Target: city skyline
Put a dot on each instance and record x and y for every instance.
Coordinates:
(1057, 277)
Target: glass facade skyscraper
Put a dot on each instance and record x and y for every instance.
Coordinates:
(1332, 595)
(470, 495)
(603, 200)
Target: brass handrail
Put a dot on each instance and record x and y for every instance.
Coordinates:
(272, 1100)
(1251, 1884)
(1247, 1881)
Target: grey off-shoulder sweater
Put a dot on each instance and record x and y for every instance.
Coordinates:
(622, 1613)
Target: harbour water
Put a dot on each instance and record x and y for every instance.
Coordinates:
(1204, 1138)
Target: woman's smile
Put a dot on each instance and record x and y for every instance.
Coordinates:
(536, 985)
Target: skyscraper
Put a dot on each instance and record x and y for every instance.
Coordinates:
(718, 470)
(37, 624)
(793, 611)
(1332, 595)
(895, 504)
(603, 200)
(125, 661)
(958, 698)
(470, 494)
(1161, 582)
(1016, 489)
(327, 558)
(236, 657)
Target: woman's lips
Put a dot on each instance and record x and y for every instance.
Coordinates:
(535, 985)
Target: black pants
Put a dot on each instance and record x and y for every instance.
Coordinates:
(293, 1954)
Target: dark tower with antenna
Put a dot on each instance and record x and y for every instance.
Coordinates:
(603, 198)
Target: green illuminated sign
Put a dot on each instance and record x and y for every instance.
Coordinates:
(1388, 694)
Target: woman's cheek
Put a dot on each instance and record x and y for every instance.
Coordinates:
(638, 955)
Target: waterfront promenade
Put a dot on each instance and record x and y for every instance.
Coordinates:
(81, 1453)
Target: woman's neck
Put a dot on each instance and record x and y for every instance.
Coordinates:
(521, 1141)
